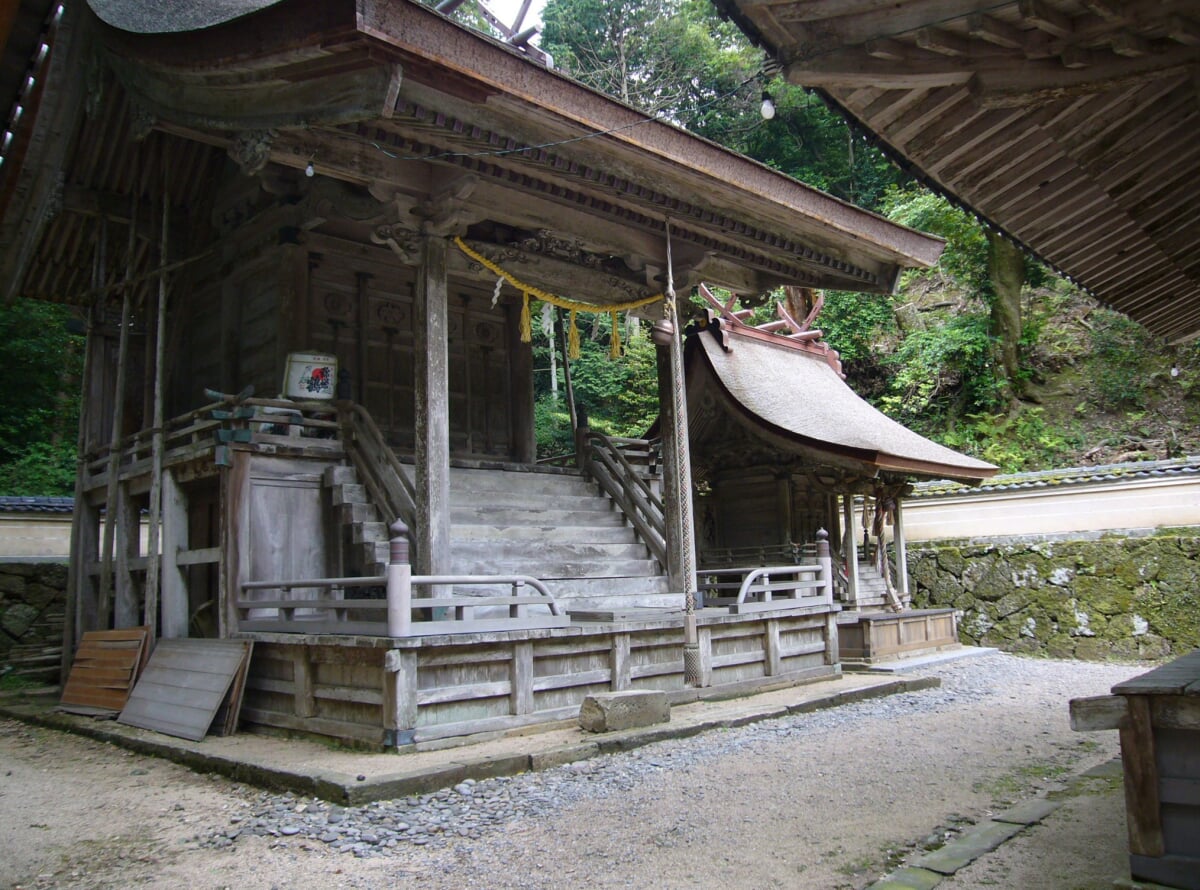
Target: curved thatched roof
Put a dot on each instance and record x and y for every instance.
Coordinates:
(795, 397)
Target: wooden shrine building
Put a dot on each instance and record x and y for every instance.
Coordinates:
(782, 449)
(305, 237)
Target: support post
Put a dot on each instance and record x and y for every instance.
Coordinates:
(901, 550)
(399, 584)
(432, 414)
(128, 543)
(399, 697)
(156, 449)
(850, 550)
(825, 560)
(175, 618)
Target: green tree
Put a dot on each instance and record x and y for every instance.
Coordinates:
(39, 409)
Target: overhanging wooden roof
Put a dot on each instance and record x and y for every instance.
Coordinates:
(791, 396)
(1070, 124)
(437, 123)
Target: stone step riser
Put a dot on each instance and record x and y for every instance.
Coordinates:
(548, 567)
(548, 519)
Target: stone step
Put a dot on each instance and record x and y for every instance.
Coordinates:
(547, 518)
(468, 551)
(535, 535)
(521, 500)
(347, 493)
(341, 475)
(629, 591)
(549, 566)
(349, 514)
(512, 481)
(369, 532)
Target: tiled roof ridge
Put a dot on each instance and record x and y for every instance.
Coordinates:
(1065, 476)
(36, 504)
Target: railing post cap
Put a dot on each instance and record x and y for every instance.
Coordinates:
(822, 535)
(398, 529)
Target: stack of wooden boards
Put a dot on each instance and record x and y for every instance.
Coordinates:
(187, 688)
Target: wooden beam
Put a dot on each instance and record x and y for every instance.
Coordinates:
(1046, 18)
(943, 42)
(1077, 57)
(1036, 82)
(995, 31)
(854, 69)
(1098, 712)
(1131, 45)
(1183, 30)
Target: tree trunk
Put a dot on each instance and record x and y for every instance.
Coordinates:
(1006, 265)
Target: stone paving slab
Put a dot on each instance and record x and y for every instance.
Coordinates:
(908, 879)
(969, 846)
(1030, 812)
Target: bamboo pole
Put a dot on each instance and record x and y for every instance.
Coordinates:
(114, 454)
(156, 449)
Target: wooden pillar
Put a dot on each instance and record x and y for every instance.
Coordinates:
(850, 550)
(520, 381)
(431, 386)
(901, 550)
(128, 543)
(521, 680)
(783, 494)
(399, 696)
(175, 606)
(153, 562)
(621, 677)
(235, 538)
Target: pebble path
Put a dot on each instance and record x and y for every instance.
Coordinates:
(475, 810)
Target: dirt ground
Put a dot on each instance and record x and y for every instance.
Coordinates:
(835, 807)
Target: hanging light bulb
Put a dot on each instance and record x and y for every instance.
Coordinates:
(310, 171)
(767, 109)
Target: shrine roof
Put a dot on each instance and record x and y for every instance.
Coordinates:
(797, 398)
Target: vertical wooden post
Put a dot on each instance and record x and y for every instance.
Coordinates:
(704, 637)
(901, 550)
(431, 386)
(128, 542)
(114, 458)
(832, 643)
(175, 606)
(304, 703)
(399, 696)
(771, 656)
(825, 560)
(520, 381)
(521, 698)
(156, 448)
(399, 584)
(1143, 812)
(619, 663)
(850, 550)
(235, 537)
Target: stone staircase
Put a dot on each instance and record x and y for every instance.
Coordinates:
(551, 524)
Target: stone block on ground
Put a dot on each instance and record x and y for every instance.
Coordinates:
(611, 711)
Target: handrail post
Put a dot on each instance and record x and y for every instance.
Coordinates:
(583, 433)
(826, 562)
(399, 583)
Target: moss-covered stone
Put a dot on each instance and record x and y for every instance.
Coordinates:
(1113, 597)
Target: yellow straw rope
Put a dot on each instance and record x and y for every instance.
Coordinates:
(528, 291)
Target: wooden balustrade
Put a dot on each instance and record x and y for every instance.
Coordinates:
(605, 461)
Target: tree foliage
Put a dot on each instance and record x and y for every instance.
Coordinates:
(39, 404)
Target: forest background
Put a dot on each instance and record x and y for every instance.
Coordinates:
(990, 352)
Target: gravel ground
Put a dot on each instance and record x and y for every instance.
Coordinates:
(831, 799)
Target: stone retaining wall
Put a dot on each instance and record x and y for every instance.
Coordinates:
(31, 616)
(1116, 596)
